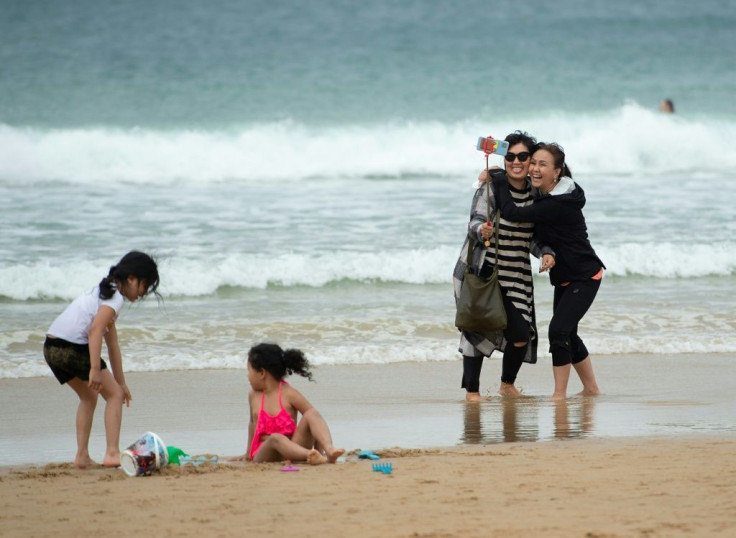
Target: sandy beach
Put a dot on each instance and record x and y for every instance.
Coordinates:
(644, 459)
(588, 488)
(305, 177)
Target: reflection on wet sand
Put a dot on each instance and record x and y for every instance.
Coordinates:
(509, 420)
(574, 418)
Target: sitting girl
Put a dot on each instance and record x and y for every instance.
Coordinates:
(273, 433)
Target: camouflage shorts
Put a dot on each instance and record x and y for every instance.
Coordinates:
(68, 360)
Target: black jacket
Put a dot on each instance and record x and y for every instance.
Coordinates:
(561, 227)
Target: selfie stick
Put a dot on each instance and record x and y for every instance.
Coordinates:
(487, 243)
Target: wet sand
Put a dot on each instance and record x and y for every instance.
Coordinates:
(653, 456)
(407, 405)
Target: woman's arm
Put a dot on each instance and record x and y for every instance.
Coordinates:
(543, 252)
(539, 249)
(536, 212)
(479, 212)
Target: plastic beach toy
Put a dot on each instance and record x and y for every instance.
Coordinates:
(197, 461)
(146, 455)
(175, 453)
(368, 455)
(289, 468)
(384, 468)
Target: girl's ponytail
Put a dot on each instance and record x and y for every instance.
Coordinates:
(107, 284)
(277, 362)
(566, 172)
(297, 363)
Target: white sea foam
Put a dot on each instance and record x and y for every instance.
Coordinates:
(138, 359)
(204, 276)
(670, 260)
(629, 140)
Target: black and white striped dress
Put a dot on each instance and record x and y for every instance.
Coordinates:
(514, 267)
(514, 270)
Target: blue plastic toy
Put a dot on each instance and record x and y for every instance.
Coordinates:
(368, 455)
(384, 468)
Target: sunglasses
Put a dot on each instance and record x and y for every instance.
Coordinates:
(523, 156)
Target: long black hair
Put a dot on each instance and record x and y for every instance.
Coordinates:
(135, 264)
(277, 362)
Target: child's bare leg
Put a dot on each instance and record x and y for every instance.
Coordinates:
(279, 447)
(313, 431)
(585, 372)
(315, 457)
(85, 414)
(113, 395)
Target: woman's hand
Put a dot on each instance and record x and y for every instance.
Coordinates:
(548, 262)
(486, 231)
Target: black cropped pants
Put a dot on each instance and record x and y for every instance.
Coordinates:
(570, 304)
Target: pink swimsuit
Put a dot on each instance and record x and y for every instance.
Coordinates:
(282, 423)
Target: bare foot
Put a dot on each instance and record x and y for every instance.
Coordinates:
(84, 462)
(333, 454)
(589, 392)
(558, 397)
(111, 460)
(315, 457)
(507, 389)
(473, 397)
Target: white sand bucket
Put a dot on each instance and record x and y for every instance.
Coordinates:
(147, 454)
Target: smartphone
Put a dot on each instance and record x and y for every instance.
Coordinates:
(490, 145)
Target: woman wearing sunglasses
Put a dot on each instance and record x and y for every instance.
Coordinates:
(518, 341)
(558, 216)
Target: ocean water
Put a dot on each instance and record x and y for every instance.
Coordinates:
(303, 173)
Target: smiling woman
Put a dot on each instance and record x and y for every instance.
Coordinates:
(519, 340)
(543, 172)
(558, 214)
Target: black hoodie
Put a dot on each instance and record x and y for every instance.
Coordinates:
(561, 226)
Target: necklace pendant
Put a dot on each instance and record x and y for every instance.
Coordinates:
(487, 243)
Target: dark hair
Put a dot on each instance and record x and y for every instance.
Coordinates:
(558, 154)
(135, 264)
(522, 137)
(277, 362)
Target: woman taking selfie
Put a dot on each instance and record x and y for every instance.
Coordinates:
(518, 341)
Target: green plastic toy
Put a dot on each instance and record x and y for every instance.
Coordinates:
(175, 453)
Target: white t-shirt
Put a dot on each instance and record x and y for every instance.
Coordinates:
(74, 322)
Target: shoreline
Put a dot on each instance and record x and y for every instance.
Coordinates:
(381, 406)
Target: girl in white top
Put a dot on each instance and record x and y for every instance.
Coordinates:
(73, 350)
